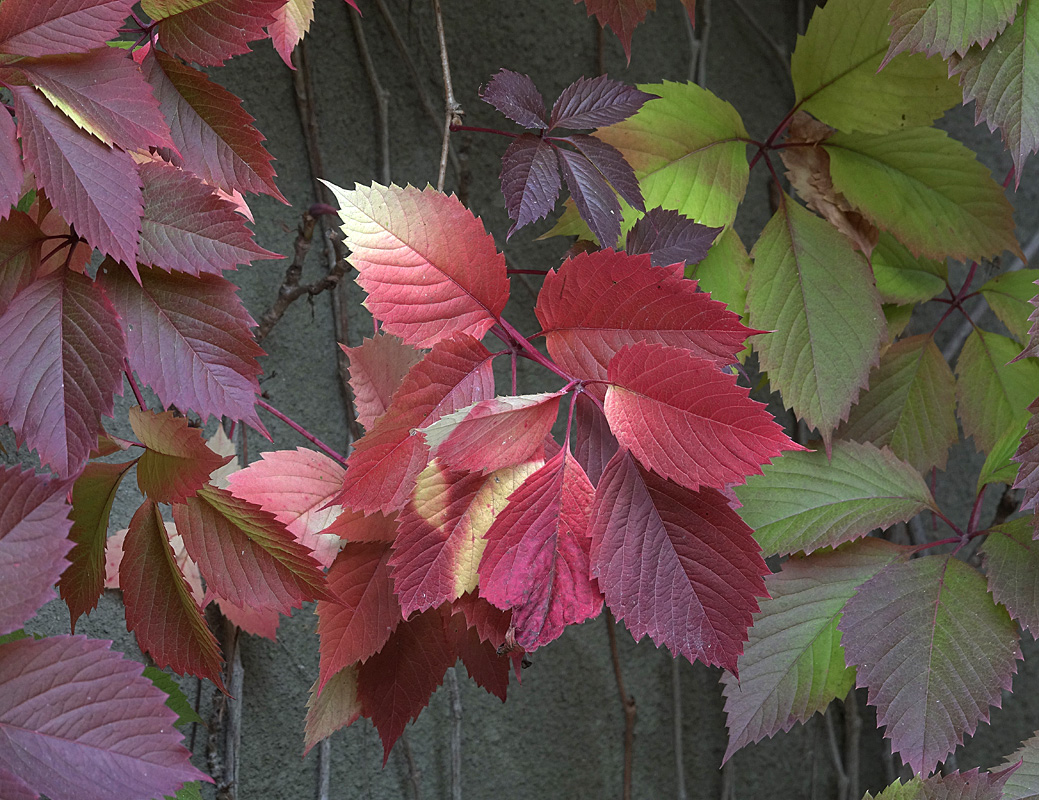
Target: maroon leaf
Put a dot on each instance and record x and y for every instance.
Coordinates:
(92, 497)
(595, 103)
(188, 227)
(61, 353)
(107, 94)
(591, 439)
(209, 32)
(189, 339)
(516, 96)
(14, 788)
(670, 238)
(12, 170)
(678, 565)
(80, 722)
(32, 28)
(159, 606)
(21, 242)
(492, 624)
(529, 180)
(364, 613)
(33, 527)
(215, 137)
(95, 188)
(489, 670)
(536, 562)
(396, 683)
(687, 420)
(595, 200)
(610, 163)
(378, 366)
(623, 16)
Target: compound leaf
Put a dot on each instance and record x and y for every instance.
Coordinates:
(516, 96)
(595, 103)
(529, 180)
(595, 200)
(670, 238)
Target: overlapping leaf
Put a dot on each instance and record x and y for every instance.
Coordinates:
(934, 652)
(805, 501)
(678, 565)
(903, 278)
(973, 785)
(907, 406)
(946, 26)
(176, 460)
(529, 180)
(591, 440)
(1023, 782)
(1011, 561)
(12, 168)
(595, 200)
(817, 294)
(595, 103)
(209, 32)
(725, 272)
(482, 662)
(189, 339)
(61, 352)
(793, 664)
(80, 722)
(516, 96)
(1010, 296)
(378, 366)
(835, 72)
(21, 244)
(670, 238)
(1027, 456)
(32, 28)
(334, 707)
(623, 16)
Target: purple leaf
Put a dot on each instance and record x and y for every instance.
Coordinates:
(670, 238)
(611, 164)
(516, 96)
(34, 525)
(596, 102)
(21, 244)
(529, 180)
(12, 171)
(592, 440)
(595, 200)
(34, 28)
(80, 722)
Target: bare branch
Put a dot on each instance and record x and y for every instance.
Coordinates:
(382, 97)
(627, 704)
(456, 734)
(452, 109)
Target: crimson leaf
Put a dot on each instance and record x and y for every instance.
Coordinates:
(32, 28)
(211, 31)
(670, 238)
(488, 669)
(529, 180)
(516, 96)
(595, 103)
(623, 16)
(595, 200)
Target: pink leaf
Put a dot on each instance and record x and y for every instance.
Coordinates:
(33, 28)
(189, 339)
(209, 32)
(353, 526)
(215, 137)
(296, 486)
(365, 612)
(257, 621)
(536, 562)
(670, 238)
(12, 169)
(687, 420)
(596, 102)
(529, 180)
(516, 96)
(428, 265)
(80, 722)
(678, 565)
(95, 188)
(377, 369)
(61, 354)
(491, 624)
(34, 524)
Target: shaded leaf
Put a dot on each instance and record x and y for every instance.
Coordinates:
(1010, 296)
(1023, 782)
(334, 707)
(670, 238)
(595, 103)
(953, 786)
(592, 442)
(209, 32)
(724, 273)
(793, 664)
(903, 278)
(516, 96)
(610, 163)
(946, 26)
(32, 28)
(21, 245)
(680, 566)
(999, 466)
(353, 526)
(12, 169)
(817, 293)
(623, 16)
(377, 369)
(176, 700)
(1011, 560)
(428, 265)
(1027, 456)
(529, 180)
(934, 652)
(485, 666)
(592, 195)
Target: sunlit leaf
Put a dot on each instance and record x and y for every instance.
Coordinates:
(946, 26)
(377, 369)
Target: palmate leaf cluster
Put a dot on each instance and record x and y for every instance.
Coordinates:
(459, 527)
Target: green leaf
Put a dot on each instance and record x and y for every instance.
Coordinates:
(804, 501)
(14, 636)
(903, 278)
(835, 71)
(175, 700)
(189, 791)
(907, 406)
(1010, 296)
(926, 189)
(897, 319)
(724, 271)
(1011, 563)
(973, 785)
(1023, 782)
(1004, 80)
(946, 26)
(817, 294)
(793, 663)
(992, 393)
(998, 467)
(913, 790)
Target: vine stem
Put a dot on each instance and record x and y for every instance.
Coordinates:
(477, 129)
(301, 431)
(627, 704)
(133, 384)
(514, 337)
(452, 110)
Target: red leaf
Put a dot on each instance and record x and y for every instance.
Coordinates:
(33, 528)
(32, 28)
(97, 189)
(215, 137)
(12, 170)
(353, 526)
(596, 102)
(80, 722)
(159, 606)
(396, 683)
(516, 96)
(209, 32)
(428, 265)
(595, 200)
(596, 303)
(678, 565)
(529, 180)
(189, 339)
(245, 554)
(296, 486)
(378, 366)
(683, 417)
(176, 460)
(61, 354)
(489, 670)
(493, 434)
(591, 439)
(536, 561)
(92, 497)
(670, 238)
(257, 621)
(623, 16)
(365, 612)
(21, 244)
(491, 624)
(106, 93)
(382, 468)
(188, 227)
(611, 164)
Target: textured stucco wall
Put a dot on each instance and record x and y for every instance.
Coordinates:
(559, 735)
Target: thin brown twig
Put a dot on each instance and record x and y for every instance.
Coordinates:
(627, 704)
(456, 734)
(852, 742)
(302, 85)
(777, 50)
(413, 771)
(452, 110)
(324, 768)
(835, 755)
(382, 96)
(705, 36)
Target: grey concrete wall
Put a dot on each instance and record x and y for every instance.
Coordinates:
(560, 733)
